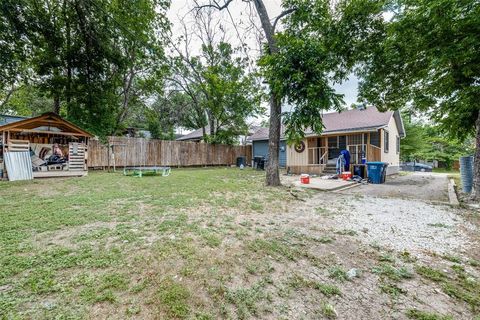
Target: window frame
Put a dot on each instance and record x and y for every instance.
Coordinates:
(398, 144)
(386, 141)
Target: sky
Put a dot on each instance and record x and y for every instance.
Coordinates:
(240, 13)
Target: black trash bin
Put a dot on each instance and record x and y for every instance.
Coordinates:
(256, 162)
(384, 173)
(359, 170)
(241, 161)
(261, 164)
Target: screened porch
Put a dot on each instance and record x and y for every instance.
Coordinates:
(326, 149)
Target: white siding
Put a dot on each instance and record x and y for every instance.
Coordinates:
(391, 157)
(297, 159)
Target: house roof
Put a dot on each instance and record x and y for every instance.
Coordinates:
(261, 134)
(349, 121)
(47, 122)
(194, 135)
(198, 134)
(6, 119)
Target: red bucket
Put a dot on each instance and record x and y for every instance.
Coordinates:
(305, 179)
(346, 175)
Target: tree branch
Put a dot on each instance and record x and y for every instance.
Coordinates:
(214, 4)
(281, 15)
(7, 97)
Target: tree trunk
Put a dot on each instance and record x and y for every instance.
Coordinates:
(56, 103)
(68, 87)
(212, 127)
(272, 171)
(476, 168)
(7, 97)
(211, 123)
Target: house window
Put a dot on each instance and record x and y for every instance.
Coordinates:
(386, 141)
(375, 138)
(398, 144)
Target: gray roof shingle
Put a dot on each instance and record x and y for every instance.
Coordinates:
(345, 121)
(194, 135)
(198, 134)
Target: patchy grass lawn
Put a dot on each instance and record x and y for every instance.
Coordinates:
(109, 244)
(205, 244)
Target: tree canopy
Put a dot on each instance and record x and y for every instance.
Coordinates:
(314, 53)
(427, 141)
(427, 56)
(91, 59)
(219, 91)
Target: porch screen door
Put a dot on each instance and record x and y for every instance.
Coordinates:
(357, 146)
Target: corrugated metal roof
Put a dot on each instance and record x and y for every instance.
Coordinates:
(6, 119)
(19, 165)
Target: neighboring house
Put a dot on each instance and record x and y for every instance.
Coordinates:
(363, 131)
(260, 146)
(142, 133)
(6, 119)
(197, 135)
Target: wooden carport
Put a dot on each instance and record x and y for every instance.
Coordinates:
(38, 133)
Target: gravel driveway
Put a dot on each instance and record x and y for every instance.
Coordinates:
(406, 225)
(407, 222)
(418, 185)
(406, 213)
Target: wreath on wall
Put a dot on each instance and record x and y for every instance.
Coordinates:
(300, 147)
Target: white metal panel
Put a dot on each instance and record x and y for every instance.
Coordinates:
(18, 165)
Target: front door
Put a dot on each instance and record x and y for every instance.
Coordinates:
(335, 145)
(357, 146)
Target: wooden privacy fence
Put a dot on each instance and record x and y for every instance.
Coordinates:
(148, 152)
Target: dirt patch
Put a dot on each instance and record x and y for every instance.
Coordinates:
(65, 237)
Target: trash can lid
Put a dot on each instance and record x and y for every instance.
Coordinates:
(377, 163)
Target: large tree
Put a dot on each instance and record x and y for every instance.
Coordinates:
(427, 55)
(303, 61)
(272, 170)
(94, 59)
(221, 91)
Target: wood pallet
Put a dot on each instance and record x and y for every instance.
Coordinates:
(76, 156)
(18, 145)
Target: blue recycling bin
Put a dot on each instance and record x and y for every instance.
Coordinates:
(377, 172)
